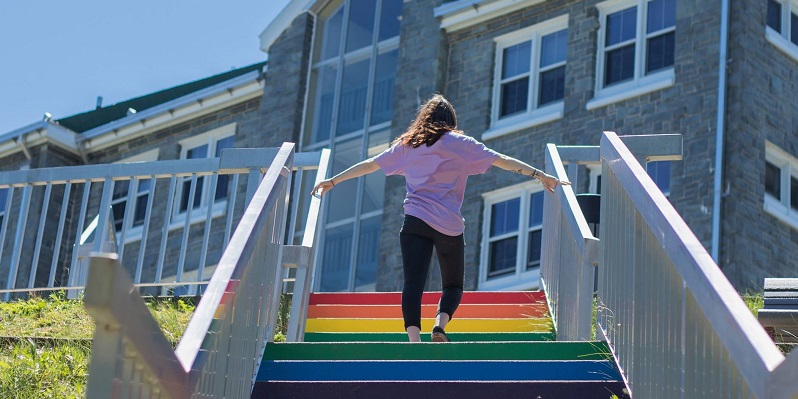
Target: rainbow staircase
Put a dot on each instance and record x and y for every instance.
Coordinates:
(502, 344)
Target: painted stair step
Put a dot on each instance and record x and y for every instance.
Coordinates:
(402, 337)
(440, 389)
(434, 351)
(445, 370)
(429, 298)
(457, 325)
(468, 311)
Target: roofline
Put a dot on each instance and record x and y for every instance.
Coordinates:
(464, 13)
(20, 140)
(280, 23)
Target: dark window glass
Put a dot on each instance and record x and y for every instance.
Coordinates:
(222, 181)
(620, 65)
(118, 211)
(324, 112)
(366, 269)
(390, 18)
(774, 15)
(502, 256)
(553, 48)
(660, 52)
(534, 244)
(381, 109)
(552, 86)
(352, 105)
(661, 15)
(194, 153)
(621, 26)
(360, 30)
(141, 202)
(336, 260)
(660, 172)
(773, 180)
(332, 35)
(536, 209)
(516, 60)
(794, 28)
(504, 217)
(794, 193)
(514, 97)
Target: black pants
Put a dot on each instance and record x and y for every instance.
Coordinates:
(417, 239)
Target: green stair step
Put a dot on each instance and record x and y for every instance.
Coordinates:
(402, 337)
(435, 351)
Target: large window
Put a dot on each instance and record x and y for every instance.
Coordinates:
(512, 238)
(529, 80)
(208, 145)
(781, 184)
(782, 25)
(636, 48)
(132, 219)
(349, 110)
(3, 202)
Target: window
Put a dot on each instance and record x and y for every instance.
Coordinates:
(349, 110)
(512, 238)
(659, 171)
(3, 203)
(529, 79)
(119, 201)
(782, 25)
(781, 184)
(208, 145)
(636, 49)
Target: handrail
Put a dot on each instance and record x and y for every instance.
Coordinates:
(675, 324)
(215, 357)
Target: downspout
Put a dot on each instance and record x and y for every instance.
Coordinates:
(720, 129)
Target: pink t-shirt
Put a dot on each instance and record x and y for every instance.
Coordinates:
(436, 177)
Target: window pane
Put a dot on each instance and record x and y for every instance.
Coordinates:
(661, 15)
(660, 52)
(118, 211)
(352, 105)
(382, 98)
(222, 181)
(504, 217)
(3, 197)
(373, 192)
(332, 35)
(621, 26)
(502, 256)
(660, 172)
(197, 152)
(794, 28)
(361, 24)
(553, 48)
(342, 199)
(774, 15)
(794, 193)
(536, 209)
(368, 245)
(773, 180)
(514, 97)
(620, 65)
(324, 103)
(534, 244)
(390, 18)
(516, 60)
(187, 192)
(552, 86)
(336, 260)
(141, 209)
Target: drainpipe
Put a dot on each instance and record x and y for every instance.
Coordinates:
(720, 129)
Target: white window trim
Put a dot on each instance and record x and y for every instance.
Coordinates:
(782, 40)
(533, 116)
(594, 172)
(641, 84)
(780, 207)
(134, 233)
(219, 208)
(522, 279)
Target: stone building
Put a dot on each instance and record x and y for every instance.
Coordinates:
(350, 75)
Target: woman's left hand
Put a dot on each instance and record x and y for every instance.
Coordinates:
(550, 182)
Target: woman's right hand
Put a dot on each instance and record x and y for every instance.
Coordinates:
(322, 187)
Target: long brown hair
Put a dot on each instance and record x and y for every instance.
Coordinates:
(435, 117)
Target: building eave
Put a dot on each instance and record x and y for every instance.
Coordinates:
(210, 99)
(282, 22)
(465, 13)
(35, 134)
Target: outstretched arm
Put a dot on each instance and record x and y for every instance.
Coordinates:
(359, 169)
(513, 165)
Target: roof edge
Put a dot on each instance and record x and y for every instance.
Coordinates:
(280, 23)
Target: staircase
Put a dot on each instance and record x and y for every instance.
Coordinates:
(502, 344)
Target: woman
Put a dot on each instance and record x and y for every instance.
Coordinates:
(436, 159)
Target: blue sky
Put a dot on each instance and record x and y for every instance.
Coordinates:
(57, 56)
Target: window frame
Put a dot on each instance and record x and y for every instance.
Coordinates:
(780, 208)
(782, 40)
(132, 232)
(219, 207)
(641, 83)
(520, 279)
(534, 114)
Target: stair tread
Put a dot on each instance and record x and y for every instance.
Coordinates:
(402, 337)
(531, 310)
(428, 298)
(458, 325)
